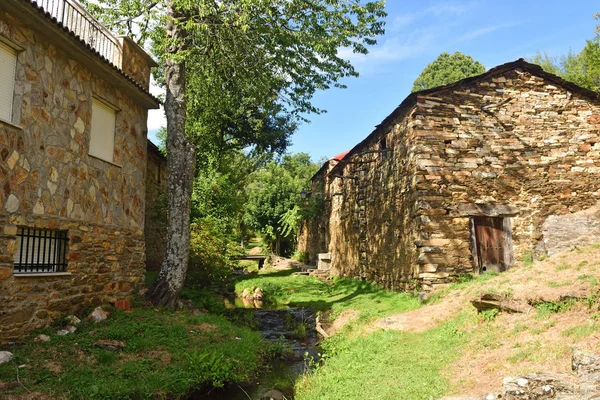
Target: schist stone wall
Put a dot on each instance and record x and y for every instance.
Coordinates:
(155, 227)
(48, 180)
(514, 143)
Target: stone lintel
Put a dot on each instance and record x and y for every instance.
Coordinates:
(486, 210)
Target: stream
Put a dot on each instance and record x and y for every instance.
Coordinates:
(293, 327)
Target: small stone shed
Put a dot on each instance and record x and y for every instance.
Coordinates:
(73, 111)
(462, 178)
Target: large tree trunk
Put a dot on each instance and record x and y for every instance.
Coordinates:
(181, 155)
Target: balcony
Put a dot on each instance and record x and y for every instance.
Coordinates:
(74, 17)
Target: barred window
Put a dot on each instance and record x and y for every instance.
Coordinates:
(40, 251)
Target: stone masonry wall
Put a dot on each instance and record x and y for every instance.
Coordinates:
(536, 147)
(369, 208)
(48, 180)
(155, 226)
(512, 139)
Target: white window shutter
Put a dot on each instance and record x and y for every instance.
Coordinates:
(102, 142)
(8, 65)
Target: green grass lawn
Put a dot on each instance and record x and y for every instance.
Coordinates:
(166, 355)
(360, 363)
(282, 287)
(384, 365)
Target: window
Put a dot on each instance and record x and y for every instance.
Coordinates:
(8, 65)
(383, 149)
(102, 141)
(40, 251)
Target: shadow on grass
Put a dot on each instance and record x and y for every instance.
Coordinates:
(282, 287)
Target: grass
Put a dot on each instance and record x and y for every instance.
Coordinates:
(166, 355)
(284, 288)
(385, 365)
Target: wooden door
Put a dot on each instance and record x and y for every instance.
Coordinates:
(489, 237)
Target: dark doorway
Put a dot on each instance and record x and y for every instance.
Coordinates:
(493, 241)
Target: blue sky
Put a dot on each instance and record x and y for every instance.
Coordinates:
(417, 31)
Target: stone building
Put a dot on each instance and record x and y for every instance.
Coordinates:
(463, 178)
(73, 110)
(155, 226)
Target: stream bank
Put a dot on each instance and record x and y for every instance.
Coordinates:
(291, 332)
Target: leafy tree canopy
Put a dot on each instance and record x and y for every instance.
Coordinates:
(582, 68)
(447, 69)
(273, 191)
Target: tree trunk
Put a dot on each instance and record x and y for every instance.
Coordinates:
(181, 158)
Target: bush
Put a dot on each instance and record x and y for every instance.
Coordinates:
(212, 254)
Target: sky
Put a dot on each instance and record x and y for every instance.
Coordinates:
(493, 32)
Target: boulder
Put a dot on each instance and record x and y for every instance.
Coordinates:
(42, 338)
(68, 330)
(98, 315)
(585, 363)
(539, 387)
(273, 395)
(73, 320)
(5, 356)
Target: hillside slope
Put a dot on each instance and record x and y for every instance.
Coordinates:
(564, 291)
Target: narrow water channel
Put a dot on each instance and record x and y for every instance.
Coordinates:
(291, 327)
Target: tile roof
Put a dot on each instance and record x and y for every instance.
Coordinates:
(89, 48)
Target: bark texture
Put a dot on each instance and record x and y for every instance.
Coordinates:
(165, 289)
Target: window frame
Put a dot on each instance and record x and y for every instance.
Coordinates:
(49, 248)
(105, 104)
(15, 50)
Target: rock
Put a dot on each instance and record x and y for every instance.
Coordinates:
(5, 356)
(563, 232)
(273, 394)
(585, 363)
(42, 338)
(68, 330)
(98, 315)
(258, 294)
(539, 387)
(245, 293)
(110, 345)
(73, 320)
(487, 301)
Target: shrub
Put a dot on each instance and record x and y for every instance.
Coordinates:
(211, 254)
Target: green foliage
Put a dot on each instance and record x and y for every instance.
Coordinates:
(546, 309)
(166, 355)
(582, 68)
(211, 254)
(300, 256)
(488, 315)
(273, 206)
(447, 69)
(527, 259)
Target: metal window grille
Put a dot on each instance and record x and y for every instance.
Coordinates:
(40, 251)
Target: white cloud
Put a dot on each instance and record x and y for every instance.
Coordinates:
(393, 49)
(484, 31)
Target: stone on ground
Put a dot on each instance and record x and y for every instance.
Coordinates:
(5, 356)
(98, 315)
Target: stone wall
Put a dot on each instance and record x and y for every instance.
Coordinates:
(48, 180)
(515, 139)
(368, 208)
(135, 62)
(155, 226)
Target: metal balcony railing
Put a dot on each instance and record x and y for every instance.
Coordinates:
(73, 16)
